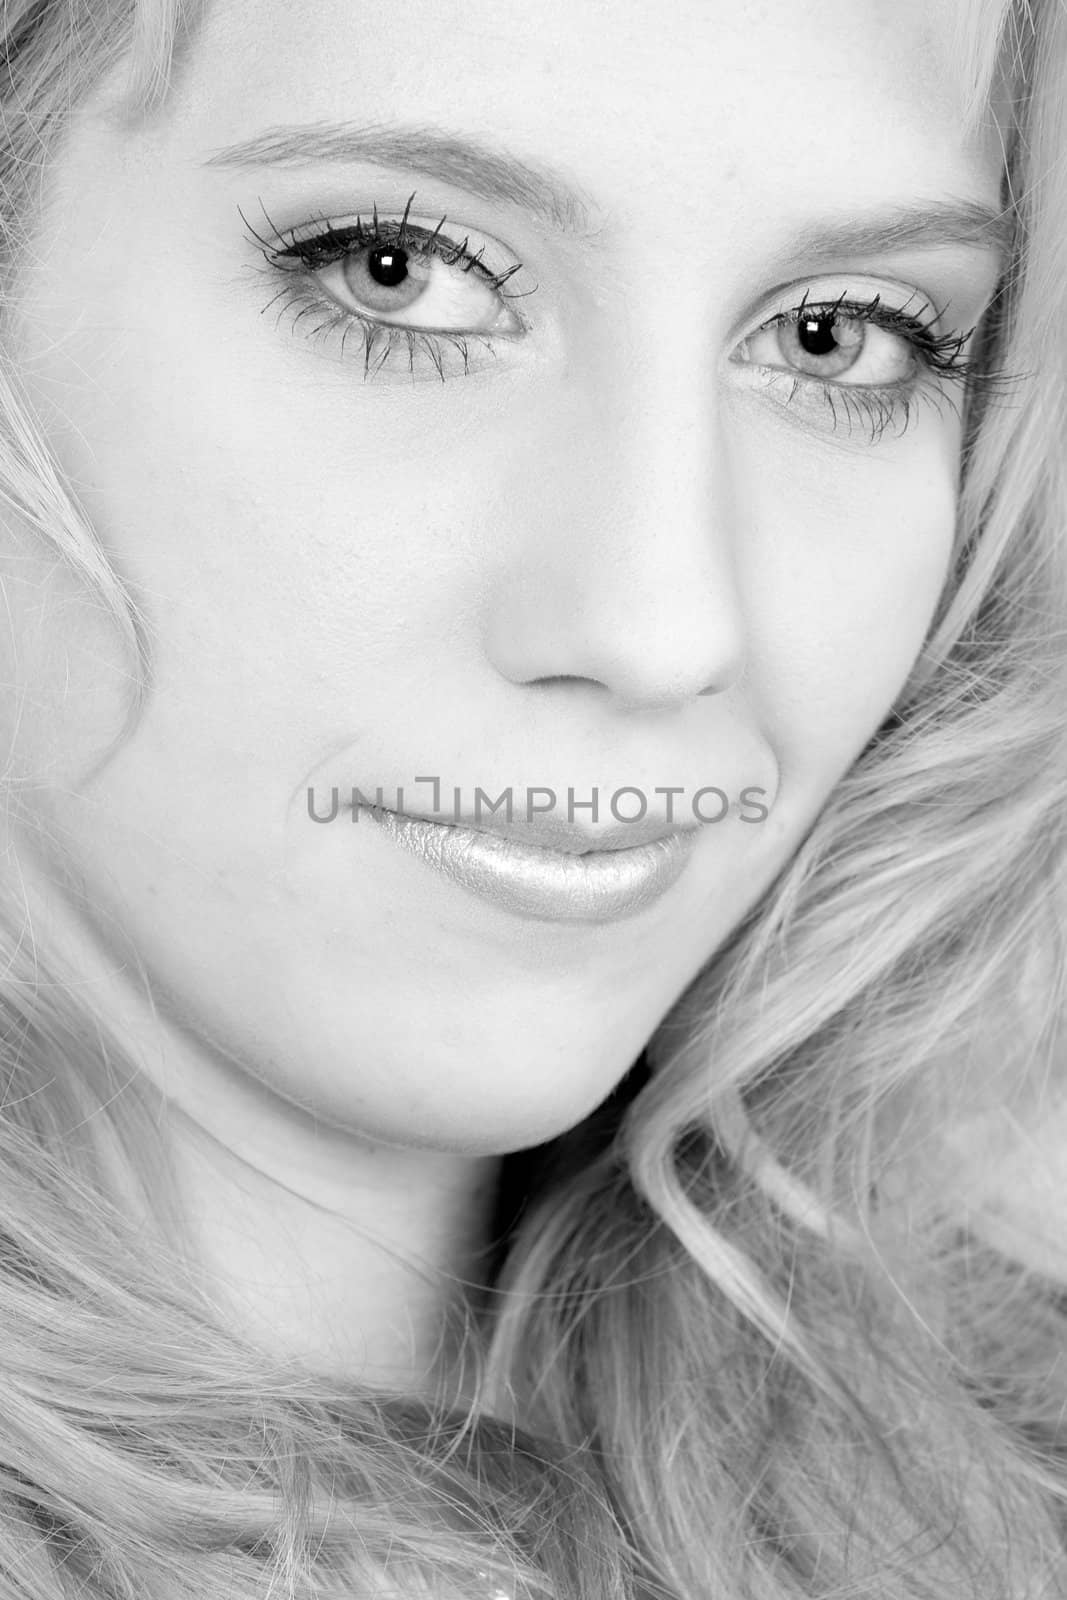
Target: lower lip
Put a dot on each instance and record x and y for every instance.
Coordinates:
(601, 886)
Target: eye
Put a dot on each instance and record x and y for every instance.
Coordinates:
(839, 343)
(394, 273)
(844, 359)
(395, 286)
(409, 285)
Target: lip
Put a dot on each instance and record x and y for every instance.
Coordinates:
(552, 833)
(566, 876)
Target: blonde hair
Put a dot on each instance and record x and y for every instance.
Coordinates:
(762, 1338)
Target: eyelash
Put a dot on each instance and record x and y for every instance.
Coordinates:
(312, 253)
(940, 356)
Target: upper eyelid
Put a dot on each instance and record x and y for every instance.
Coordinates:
(879, 314)
(937, 314)
(914, 305)
(445, 226)
(455, 239)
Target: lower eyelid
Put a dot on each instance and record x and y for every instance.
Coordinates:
(380, 339)
(854, 414)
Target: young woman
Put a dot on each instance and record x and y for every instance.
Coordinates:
(532, 553)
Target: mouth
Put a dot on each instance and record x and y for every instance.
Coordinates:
(550, 835)
(544, 870)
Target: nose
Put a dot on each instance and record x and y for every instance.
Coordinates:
(621, 573)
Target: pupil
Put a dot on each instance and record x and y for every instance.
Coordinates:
(816, 336)
(388, 265)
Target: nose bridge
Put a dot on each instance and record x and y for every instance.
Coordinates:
(670, 459)
(626, 576)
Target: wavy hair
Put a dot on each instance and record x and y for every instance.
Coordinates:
(765, 1320)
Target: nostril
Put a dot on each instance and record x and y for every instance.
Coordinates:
(561, 678)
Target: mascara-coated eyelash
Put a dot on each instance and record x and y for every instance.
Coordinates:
(302, 257)
(939, 358)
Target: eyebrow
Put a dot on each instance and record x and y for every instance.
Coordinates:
(464, 163)
(469, 163)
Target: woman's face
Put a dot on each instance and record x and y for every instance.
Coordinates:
(669, 532)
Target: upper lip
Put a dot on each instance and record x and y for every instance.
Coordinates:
(554, 833)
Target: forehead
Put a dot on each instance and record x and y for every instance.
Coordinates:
(637, 47)
(629, 95)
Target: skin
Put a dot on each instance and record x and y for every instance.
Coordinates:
(614, 555)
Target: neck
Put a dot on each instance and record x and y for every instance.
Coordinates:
(356, 1260)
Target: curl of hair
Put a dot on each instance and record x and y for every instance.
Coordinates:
(765, 1332)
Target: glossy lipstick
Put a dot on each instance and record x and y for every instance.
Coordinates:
(576, 883)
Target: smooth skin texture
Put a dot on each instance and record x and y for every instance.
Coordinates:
(616, 554)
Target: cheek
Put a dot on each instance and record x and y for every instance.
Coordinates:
(844, 578)
(282, 555)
